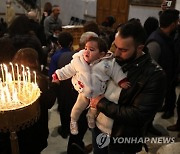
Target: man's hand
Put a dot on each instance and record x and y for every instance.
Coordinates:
(95, 101)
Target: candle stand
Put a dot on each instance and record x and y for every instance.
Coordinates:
(19, 119)
(19, 105)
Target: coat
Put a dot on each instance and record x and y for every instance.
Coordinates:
(91, 80)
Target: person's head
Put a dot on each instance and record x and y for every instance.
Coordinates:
(56, 10)
(27, 57)
(109, 21)
(65, 39)
(84, 37)
(20, 26)
(134, 20)
(150, 25)
(95, 48)
(169, 19)
(56, 31)
(7, 50)
(129, 42)
(91, 26)
(48, 8)
(32, 15)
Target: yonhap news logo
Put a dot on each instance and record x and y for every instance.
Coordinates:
(103, 140)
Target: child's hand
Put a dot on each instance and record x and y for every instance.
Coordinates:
(125, 85)
(95, 101)
(55, 78)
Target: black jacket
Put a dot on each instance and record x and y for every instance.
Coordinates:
(168, 59)
(138, 104)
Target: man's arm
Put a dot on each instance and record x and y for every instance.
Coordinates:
(46, 28)
(141, 108)
(154, 50)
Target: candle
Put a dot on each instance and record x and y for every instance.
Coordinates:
(6, 72)
(2, 70)
(34, 77)
(29, 75)
(17, 67)
(23, 73)
(12, 71)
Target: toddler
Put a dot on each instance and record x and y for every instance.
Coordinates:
(90, 70)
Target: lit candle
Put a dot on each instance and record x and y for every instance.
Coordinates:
(6, 72)
(17, 67)
(34, 77)
(12, 67)
(29, 75)
(2, 70)
(23, 73)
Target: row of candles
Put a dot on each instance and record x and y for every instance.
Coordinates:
(26, 75)
(16, 85)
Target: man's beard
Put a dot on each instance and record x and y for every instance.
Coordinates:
(121, 61)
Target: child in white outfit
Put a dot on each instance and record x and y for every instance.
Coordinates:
(90, 70)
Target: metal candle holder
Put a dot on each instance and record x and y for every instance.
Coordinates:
(17, 118)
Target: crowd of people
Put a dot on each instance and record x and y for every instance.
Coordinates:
(114, 83)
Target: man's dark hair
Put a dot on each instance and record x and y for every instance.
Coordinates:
(65, 39)
(150, 25)
(135, 30)
(101, 44)
(167, 17)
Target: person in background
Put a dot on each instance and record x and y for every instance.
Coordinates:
(83, 39)
(168, 4)
(46, 12)
(52, 21)
(7, 51)
(91, 26)
(109, 22)
(137, 104)
(22, 36)
(36, 27)
(65, 41)
(176, 126)
(10, 13)
(161, 46)
(150, 25)
(3, 27)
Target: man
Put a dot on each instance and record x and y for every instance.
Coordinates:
(136, 105)
(161, 47)
(36, 27)
(52, 21)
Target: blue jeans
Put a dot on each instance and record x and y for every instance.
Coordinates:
(98, 147)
